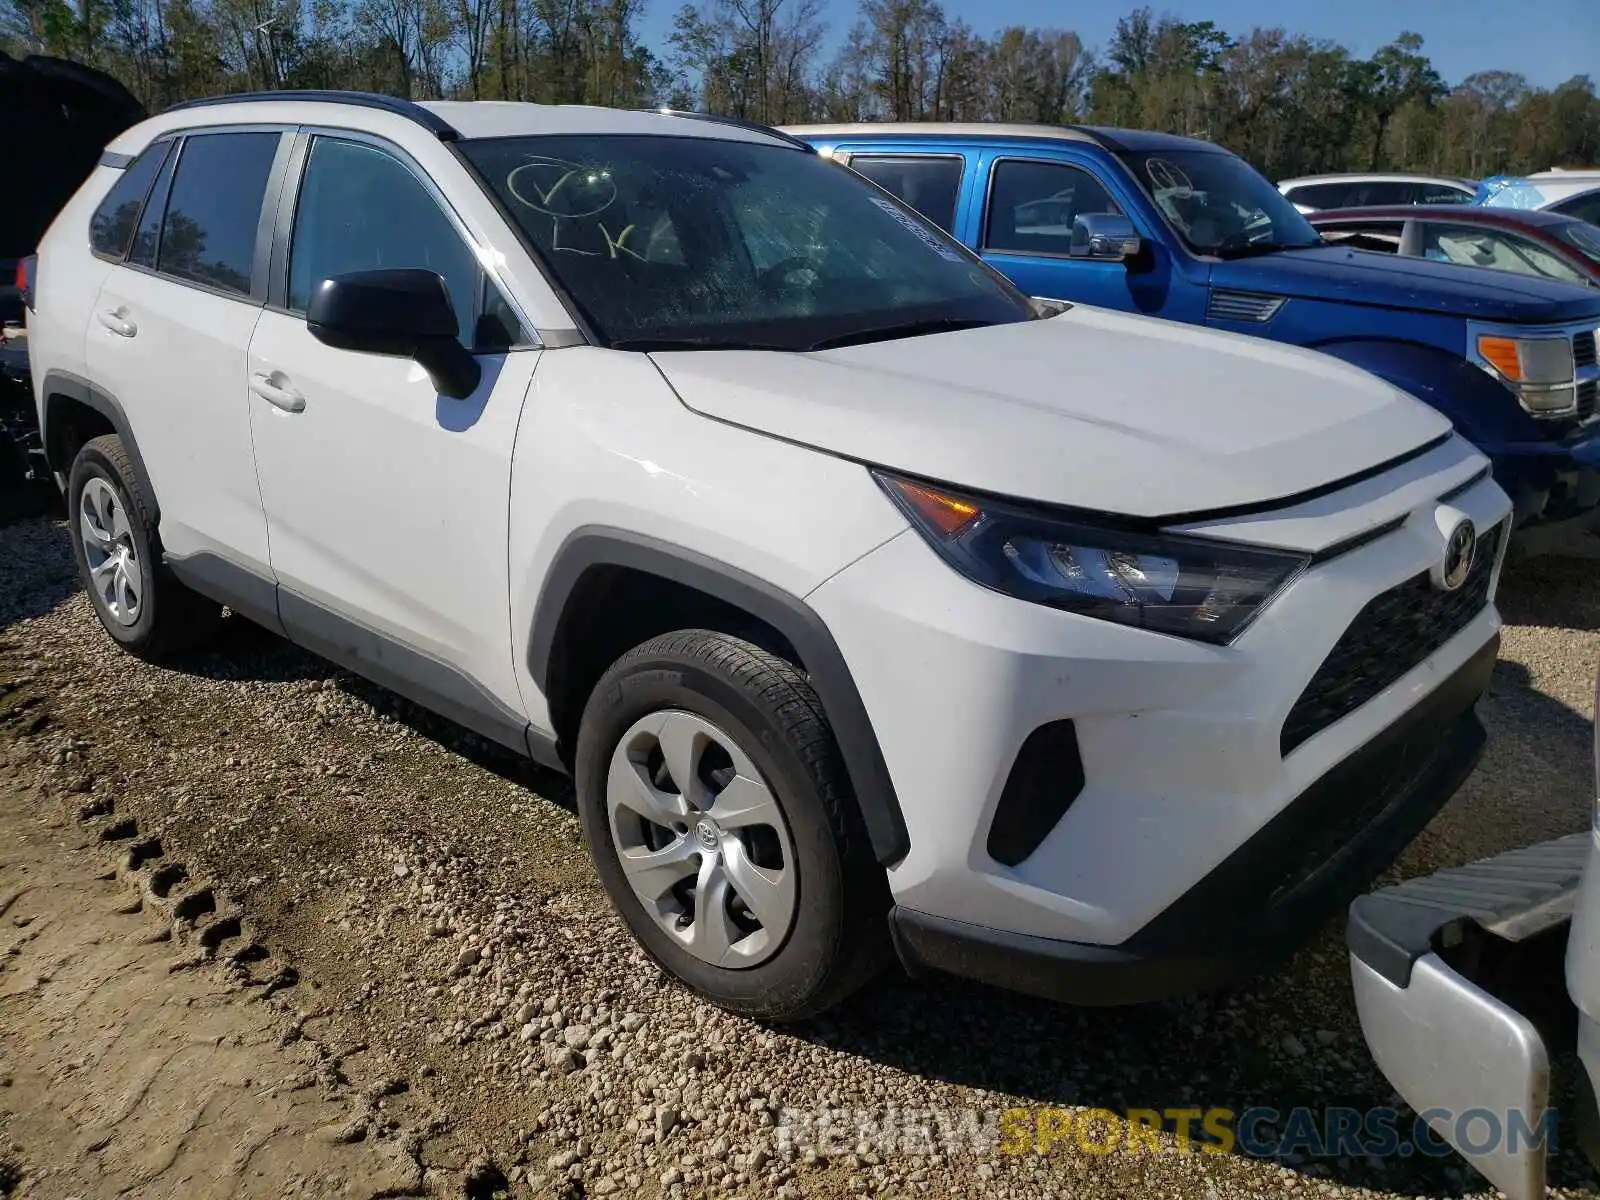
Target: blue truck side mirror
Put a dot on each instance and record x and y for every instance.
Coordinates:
(1104, 237)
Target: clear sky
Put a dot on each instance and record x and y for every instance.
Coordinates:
(1547, 40)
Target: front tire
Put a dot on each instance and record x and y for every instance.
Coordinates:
(717, 810)
(138, 600)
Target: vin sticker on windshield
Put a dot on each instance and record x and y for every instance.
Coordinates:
(916, 227)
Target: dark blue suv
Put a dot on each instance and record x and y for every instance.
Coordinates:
(1182, 229)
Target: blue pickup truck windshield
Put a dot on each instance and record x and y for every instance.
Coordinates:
(1217, 204)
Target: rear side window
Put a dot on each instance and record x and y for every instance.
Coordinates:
(1385, 191)
(1320, 195)
(1442, 193)
(1476, 247)
(928, 184)
(209, 235)
(111, 228)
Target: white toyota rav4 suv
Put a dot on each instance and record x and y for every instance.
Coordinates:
(869, 602)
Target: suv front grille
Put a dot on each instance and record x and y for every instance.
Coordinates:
(1587, 393)
(1583, 348)
(1390, 636)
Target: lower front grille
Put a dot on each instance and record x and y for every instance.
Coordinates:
(1587, 394)
(1390, 636)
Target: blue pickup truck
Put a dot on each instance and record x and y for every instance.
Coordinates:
(1182, 229)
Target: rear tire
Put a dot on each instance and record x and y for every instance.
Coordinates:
(771, 905)
(139, 601)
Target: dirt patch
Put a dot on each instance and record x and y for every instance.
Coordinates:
(136, 1060)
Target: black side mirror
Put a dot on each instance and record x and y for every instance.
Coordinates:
(402, 313)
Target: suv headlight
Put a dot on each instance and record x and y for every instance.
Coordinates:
(1187, 586)
(1540, 369)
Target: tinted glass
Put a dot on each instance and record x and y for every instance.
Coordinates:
(1218, 203)
(1442, 193)
(361, 209)
(209, 235)
(1321, 195)
(716, 242)
(1032, 206)
(1585, 207)
(148, 237)
(930, 185)
(111, 227)
(1382, 236)
(1585, 237)
(1385, 192)
(1475, 247)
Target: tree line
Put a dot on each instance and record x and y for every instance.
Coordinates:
(1289, 103)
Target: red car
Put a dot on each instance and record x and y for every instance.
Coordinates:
(1504, 239)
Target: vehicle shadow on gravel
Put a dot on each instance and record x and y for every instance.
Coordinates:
(245, 651)
(43, 573)
(1551, 592)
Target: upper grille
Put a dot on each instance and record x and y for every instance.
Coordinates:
(1583, 348)
(1391, 635)
(1242, 306)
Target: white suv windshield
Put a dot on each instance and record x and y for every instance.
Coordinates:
(668, 242)
(1219, 204)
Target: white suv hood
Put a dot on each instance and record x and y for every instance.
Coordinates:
(1092, 409)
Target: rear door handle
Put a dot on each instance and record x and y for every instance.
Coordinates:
(117, 320)
(276, 394)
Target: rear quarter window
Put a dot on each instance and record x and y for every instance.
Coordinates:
(111, 228)
(930, 184)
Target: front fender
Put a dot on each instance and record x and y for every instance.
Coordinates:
(1482, 410)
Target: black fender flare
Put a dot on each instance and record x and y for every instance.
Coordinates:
(59, 385)
(600, 546)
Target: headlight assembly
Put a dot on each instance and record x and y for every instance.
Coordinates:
(1186, 586)
(1541, 369)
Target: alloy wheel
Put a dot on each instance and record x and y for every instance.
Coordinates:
(115, 572)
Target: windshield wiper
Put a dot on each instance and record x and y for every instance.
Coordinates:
(884, 333)
(1255, 248)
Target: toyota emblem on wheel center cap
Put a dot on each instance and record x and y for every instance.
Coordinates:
(1460, 546)
(706, 832)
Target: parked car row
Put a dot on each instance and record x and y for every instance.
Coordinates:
(668, 452)
(1317, 193)
(1177, 228)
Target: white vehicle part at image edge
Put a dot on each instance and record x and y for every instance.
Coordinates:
(1443, 1028)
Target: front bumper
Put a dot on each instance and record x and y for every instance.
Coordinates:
(1551, 484)
(1458, 984)
(1262, 901)
(1178, 756)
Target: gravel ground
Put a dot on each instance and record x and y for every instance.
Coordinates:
(433, 897)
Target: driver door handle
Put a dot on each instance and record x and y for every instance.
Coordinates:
(117, 320)
(277, 394)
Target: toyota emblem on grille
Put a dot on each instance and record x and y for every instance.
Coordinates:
(1456, 565)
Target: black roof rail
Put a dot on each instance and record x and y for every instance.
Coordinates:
(738, 123)
(408, 109)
